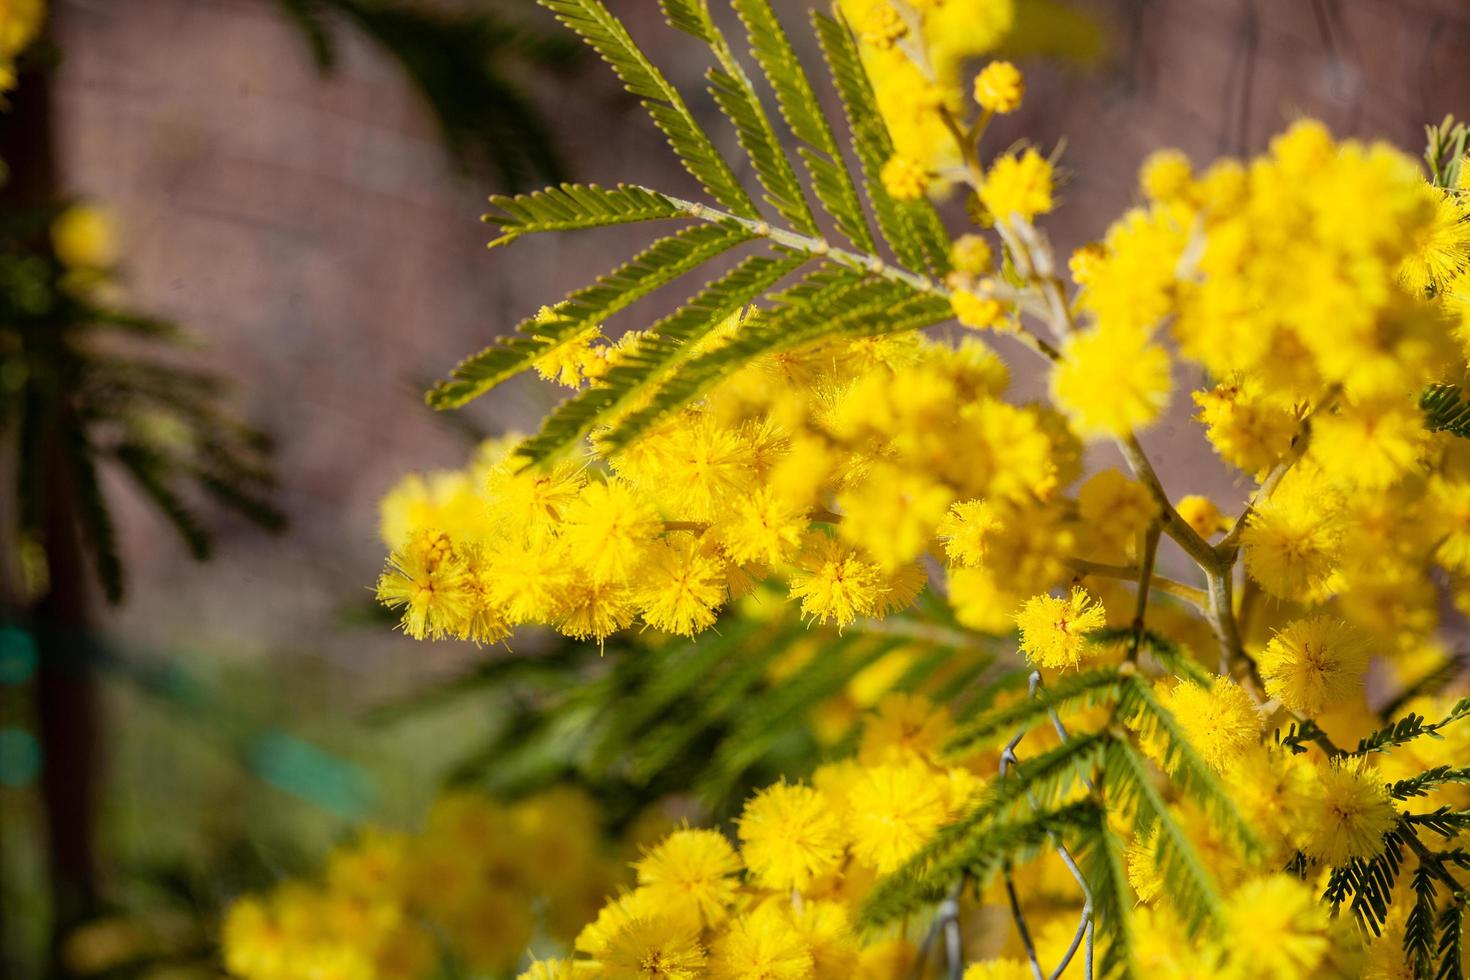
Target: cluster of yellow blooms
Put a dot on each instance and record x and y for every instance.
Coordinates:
(1318, 287)
(781, 899)
(915, 53)
(20, 23)
(479, 883)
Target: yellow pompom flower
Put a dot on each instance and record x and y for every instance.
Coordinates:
(790, 836)
(1277, 929)
(680, 588)
(971, 254)
(1054, 631)
(1221, 721)
(1143, 867)
(893, 811)
(1291, 544)
(763, 945)
(1018, 186)
(882, 26)
(1314, 664)
(968, 530)
(690, 873)
(907, 727)
(609, 529)
(999, 87)
(904, 179)
(1202, 514)
(1346, 814)
(1086, 261)
(1165, 176)
(594, 610)
(766, 527)
(1371, 444)
(1111, 382)
(975, 310)
(658, 948)
(834, 582)
(427, 581)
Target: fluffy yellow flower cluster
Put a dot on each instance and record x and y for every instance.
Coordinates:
(783, 903)
(738, 488)
(478, 884)
(780, 896)
(915, 54)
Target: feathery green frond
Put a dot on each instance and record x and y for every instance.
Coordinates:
(1445, 411)
(793, 700)
(606, 34)
(150, 471)
(802, 111)
(670, 341)
(1419, 937)
(1138, 705)
(1101, 859)
(659, 264)
(976, 857)
(1189, 885)
(912, 228)
(1451, 939)
(95, 517)
(574, 206)
(1410, 727)
(1369, 882)
(1420, 785)
(1082, 689)
(939, 863)
(736, 97)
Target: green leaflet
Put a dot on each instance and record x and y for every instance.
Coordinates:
(667, 345)
(912, 228)
(802, 111)
(574, 206)
(606, 34)
(661, 263)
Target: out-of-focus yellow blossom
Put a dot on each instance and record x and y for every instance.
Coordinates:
(475, 885)
(999, 87)
(83, 239)
(1018, 186)
(1111, 381)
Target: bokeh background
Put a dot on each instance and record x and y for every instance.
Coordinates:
(312, 229)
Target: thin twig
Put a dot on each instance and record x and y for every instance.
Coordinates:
(1147, 553)
(1085, 567)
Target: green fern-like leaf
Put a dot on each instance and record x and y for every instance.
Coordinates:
(912, 228)
(939, 864)
(976, 857)
(1181, 760)
(574, 206)
(1078, 690)
(668, 344)
(1188, 883)
(661, 263)
(1419, 937)
(802, 111)
(1445, 410)
(1102, 862)
(1451, 939)
(606, 34)
(733, 92)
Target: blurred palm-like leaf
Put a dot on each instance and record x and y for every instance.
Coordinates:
(464, 62)
(85, 385)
